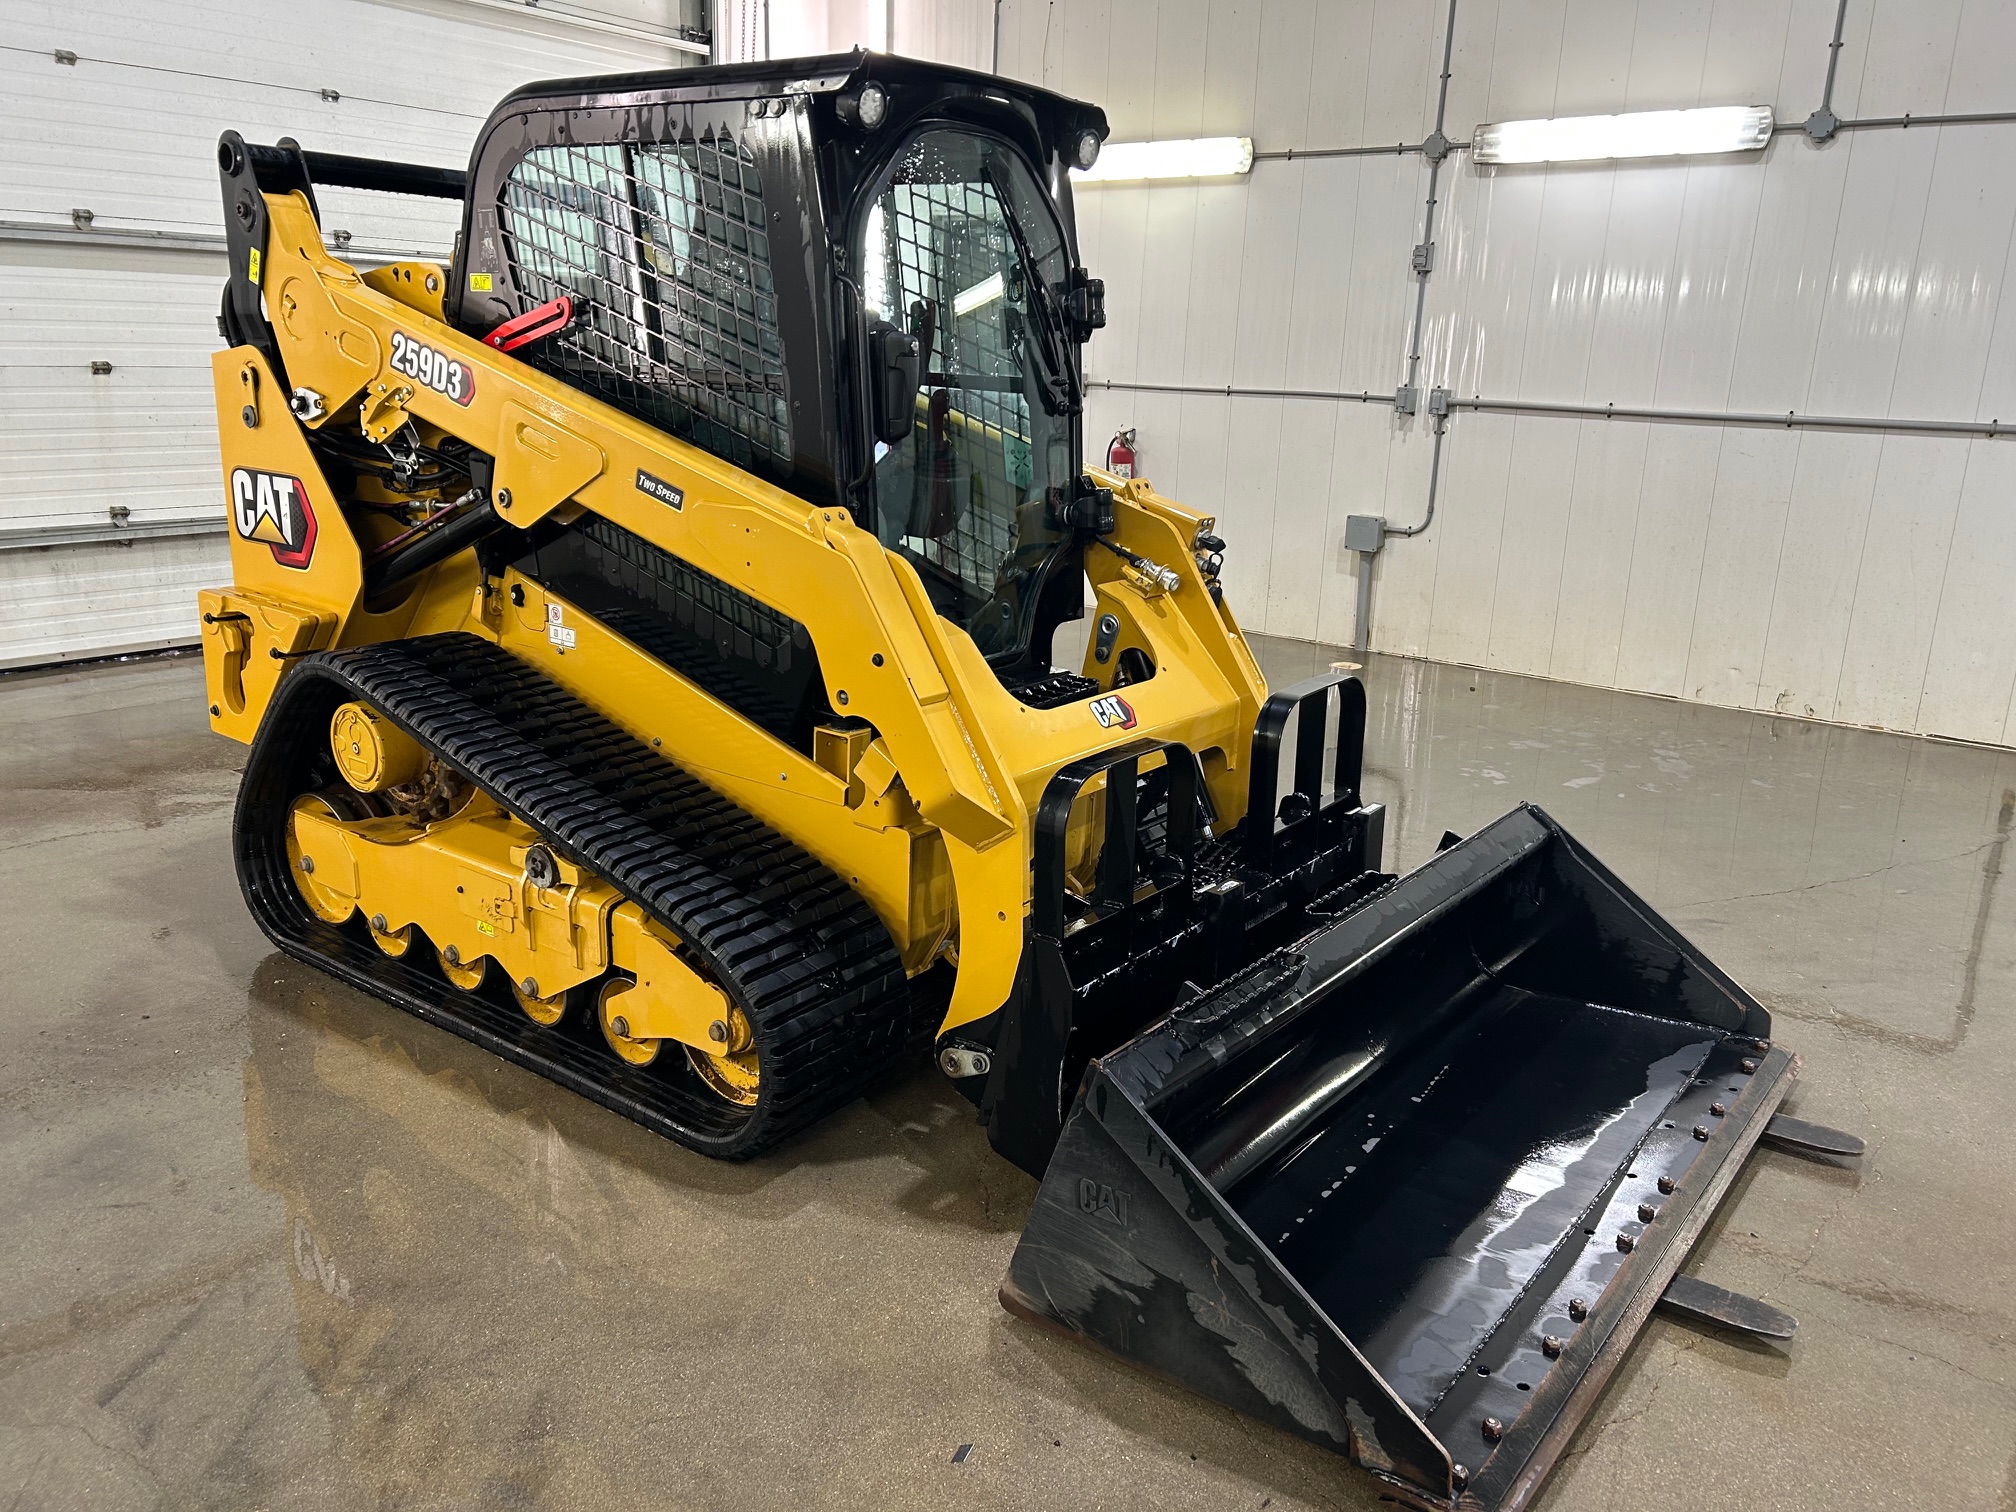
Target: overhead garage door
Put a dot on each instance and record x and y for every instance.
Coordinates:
(112, 261)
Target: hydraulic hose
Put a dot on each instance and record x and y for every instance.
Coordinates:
(436, 546)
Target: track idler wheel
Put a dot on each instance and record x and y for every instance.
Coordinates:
(731, 1073)
(324, 902)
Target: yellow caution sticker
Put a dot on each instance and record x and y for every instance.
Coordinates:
(485, 928)
(252, 270)
(479, 283)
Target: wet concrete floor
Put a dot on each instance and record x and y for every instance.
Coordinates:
(269, 1244)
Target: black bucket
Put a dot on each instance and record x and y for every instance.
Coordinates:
(1409, 1186)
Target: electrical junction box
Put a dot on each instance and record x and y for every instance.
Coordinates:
(1366, 533)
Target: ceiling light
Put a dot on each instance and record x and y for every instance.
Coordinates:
(1641, 134)
(1202, 157)
(985, 292)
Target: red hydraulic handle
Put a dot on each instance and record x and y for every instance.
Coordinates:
(521, 330)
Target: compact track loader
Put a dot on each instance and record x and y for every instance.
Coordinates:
(643, 624)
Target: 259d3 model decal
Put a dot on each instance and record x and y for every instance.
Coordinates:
(440, 372)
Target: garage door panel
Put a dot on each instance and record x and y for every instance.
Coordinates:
(59, 603)
(170, 175)
(142, 436)
(149, 314)
(61, 472)
(185, 485)
(129, 132)
(146, 394)
(361, 47)
(145, 103)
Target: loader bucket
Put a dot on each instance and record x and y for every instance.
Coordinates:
(1409, 1186)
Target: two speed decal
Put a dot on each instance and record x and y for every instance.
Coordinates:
(437, 370)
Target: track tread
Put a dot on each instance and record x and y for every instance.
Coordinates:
(800, 951)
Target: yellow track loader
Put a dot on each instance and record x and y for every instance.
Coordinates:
(646, 628)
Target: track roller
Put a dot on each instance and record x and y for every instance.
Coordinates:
(543, 1011)
(632, 1049)
(466, 975)
(394, 942)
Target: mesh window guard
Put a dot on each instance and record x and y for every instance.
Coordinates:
(664, 249)
(951, 252)
(961, 250)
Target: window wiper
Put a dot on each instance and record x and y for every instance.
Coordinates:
(1052, 376)
(1052, 326)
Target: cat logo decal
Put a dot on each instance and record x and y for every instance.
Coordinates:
(1113, 712)
(273, 509)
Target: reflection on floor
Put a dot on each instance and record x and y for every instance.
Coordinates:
(269, 1243)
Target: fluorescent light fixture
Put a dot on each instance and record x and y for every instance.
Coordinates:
(985, 292)
(1199, 157)
(1641, 134)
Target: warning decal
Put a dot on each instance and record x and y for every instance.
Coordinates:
(559, 633)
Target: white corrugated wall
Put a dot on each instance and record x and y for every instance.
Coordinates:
(1860, 577)
(959, 32)
(128, 132)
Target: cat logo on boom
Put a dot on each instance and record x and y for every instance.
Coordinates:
(1113, 712)
(273, 508)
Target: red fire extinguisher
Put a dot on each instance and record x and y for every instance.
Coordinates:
(1121, 458)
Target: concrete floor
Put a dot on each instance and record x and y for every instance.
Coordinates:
(268, 1243)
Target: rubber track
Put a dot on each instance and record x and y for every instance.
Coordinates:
(803, 954)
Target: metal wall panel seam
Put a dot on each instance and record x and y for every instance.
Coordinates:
(188, 73)
(33, 537)
(182, 241)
